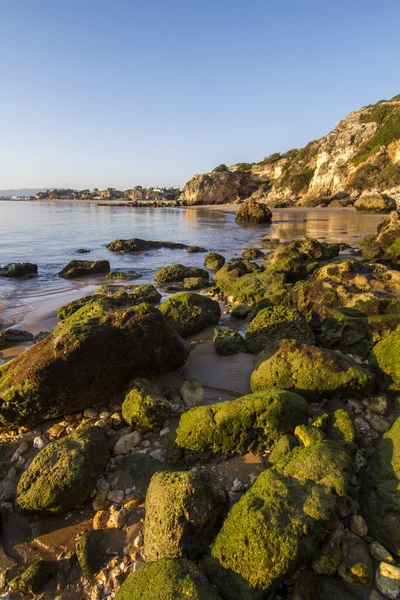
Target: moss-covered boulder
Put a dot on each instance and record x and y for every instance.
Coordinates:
(184, 512)
(252, 253)
(64, 473)
(32, 580)
(179, 272)
(88, 359)
(380, 491)
(251, 423)
(282, 448)
(214, 261)
(375, 203)
(356, 565)
(82, 268)
(340, 426)
(167, 579)
(226, 342)
(310, 371)
(144, 405)
(189, 313)
(279, 523)
(95, 548)
(385, 359)
(122, 275)
(195, 283)
(253, 212)
(276, 323)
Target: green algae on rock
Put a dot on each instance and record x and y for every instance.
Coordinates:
(88, 359)
(310, 371)
(179, 272)
(64, 473)
(340, 426)
(214, 261)
(195, 283)
(184, 512)
(34, 577)
(81, 268)
(144, 405)
(189, 313)
(94, 548)
(252, 423)
(385, 358)
(252, 253)
(356, 564)
(227, 342)
(253, 212)
(168, 579)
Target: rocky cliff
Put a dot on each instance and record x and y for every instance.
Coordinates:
(361, 156)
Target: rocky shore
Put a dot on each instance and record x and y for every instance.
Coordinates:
(239, 440)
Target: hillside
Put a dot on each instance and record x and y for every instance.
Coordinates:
(360, 156)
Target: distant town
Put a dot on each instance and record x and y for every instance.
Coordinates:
(134, 195)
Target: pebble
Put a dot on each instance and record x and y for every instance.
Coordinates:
(40, 442)
(158, 454)
(377, 422)
(19, 451)
(55, 431)
(100, 519)
(145, 443)
(90, 413)
(380, 553)
(138, 541)
(358, 525)
(118, 517)
(387, 579)
(236, 486)
(116, 421)
(105, 415)
(126, 442)
(99, 501)
(165, 431)
(137, 565)
(378, 405)
(116, 496)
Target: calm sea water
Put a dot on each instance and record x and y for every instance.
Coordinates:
(49, 234)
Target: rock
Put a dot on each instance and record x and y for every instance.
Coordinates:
(227, 342)
(378, 423)
(100, 519)
(378, 405)
(214, 261)
(356, 564)
(81, 268)
(88, 359)
(176, 578)
(387, 579)
(384, 358)
(63, 474)
(195, 283)
(19, 270)
(116, 496)
(144, 405)
(253, 212)
(375, 203)
(22, 448)
(126, 443)
(135, 472)
(192, 392)
(358, 526)
(240, 311)
(34, 577)
(192, 249)
(322, 587)
(252, 253)
(252, 423)
(118, 517)
(307, 435)
(95, 548)
(123, 275)
(139, 245)
(340, 426)
(380, 553)
(380, 493)
(263, 537)
(311, 371)
(40, 441)
(282, 448)
(190, 313)
(82, 251)
(179, 272)
(99, 501)
(184, 512)
(275, 323)
(11, 337)
(328, 558)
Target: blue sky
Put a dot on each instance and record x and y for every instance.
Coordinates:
(119, 93)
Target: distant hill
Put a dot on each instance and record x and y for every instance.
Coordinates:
(22, 192)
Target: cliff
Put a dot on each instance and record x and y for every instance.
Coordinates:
(361, 156)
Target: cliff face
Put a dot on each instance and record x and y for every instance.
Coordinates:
(360, 156)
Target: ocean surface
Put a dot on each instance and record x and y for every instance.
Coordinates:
(49, 233)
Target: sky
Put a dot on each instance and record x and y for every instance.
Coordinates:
(118, 93)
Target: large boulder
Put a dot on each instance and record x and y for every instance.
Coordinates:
(310, 371)
(276, 323)
(82, 268)
(252, 423)
(19, 270)
(189, 313)
(88, 359)
(253, 212)
(179, 272)
(184, 512)
(11, 337)
(376, 203)
(214, 261)
(385, 358)
(144, 405)
(278, 524)
(167, 579)
(380, 491)
(64, 473)
(227, 342)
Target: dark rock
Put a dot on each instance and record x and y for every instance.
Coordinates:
(192, 249)
(252, 253)
(144, 405)
(179, 273)
(81, 268)
(11, 337)
(195, 283)
(95, 548)
(227, 342)
(253, 212)
(139, 245)
(34, 577)
(18, 270)
(214, 261)
(189, 313)
(82, 251)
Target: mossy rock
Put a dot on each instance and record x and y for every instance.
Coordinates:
(253, 212)
(167, 579)
(193, 249)
(64, 473)
(136, 470)
(308, 435)
(184, 512)
(88, 359)
(340, 426)
(328, 558)
(380, 491)
(310, 371)
(179, 272)
(356, 564)
(144, 405)
(282, 448)
(95, 548)
(195, 283)
(34, 577)
(214, 261)
(82, 268)
(190, 313)
(278, 524)
(253, 253)
(385, 359)
(227, 342)
(252, 423)
(375, 203)
(276, 323)
(122, 275)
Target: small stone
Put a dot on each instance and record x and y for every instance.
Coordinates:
(165, 431)
(387, 579)
(90, 413)
(99, 501)
(115, 496)
(138, 541)
(55, 431)
(379, 553)
(145, 443)
(117, 518)
(100, 519)
(137, 565)
(19, 451)
(192, 392)
(356, 405)
(105, 424)
(127, 442)
(358, 525)
(236, 486)
(378, 423)
(360, 461)
(378, 405)
(116, 421)
(40, 442)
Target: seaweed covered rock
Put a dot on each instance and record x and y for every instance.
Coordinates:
(195, 283)
(144, 405)
(11, 337)
(179, 273)
(279, 523)
(340, 426)
(63, 474)
(385, 358)
(139, 245)
(380, 491)
(275, 323)
(18, 270)
(252, 253)
(375, 203)
(227, 342)
(252, 423)
(95, 548)
(123, 275)
(253, 212)
(88, 359)
(168, 579)
(214, 261)
(32, 580)
(184, 512)
(82, 268)
(356, 564)
(310, 371)
(189, 313)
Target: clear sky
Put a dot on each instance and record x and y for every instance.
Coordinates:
(100, 93)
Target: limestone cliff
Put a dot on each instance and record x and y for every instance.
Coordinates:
(360, 156)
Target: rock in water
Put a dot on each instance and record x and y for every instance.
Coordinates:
(64, 473)
(18, 270)
(88, 359)
(81, 268)
(214, 261)
(179, 272)
(139, 245)
(10, 337)
(184, 512)
(227, 342)
(167, 579)
(253, 212)
(190, 313)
